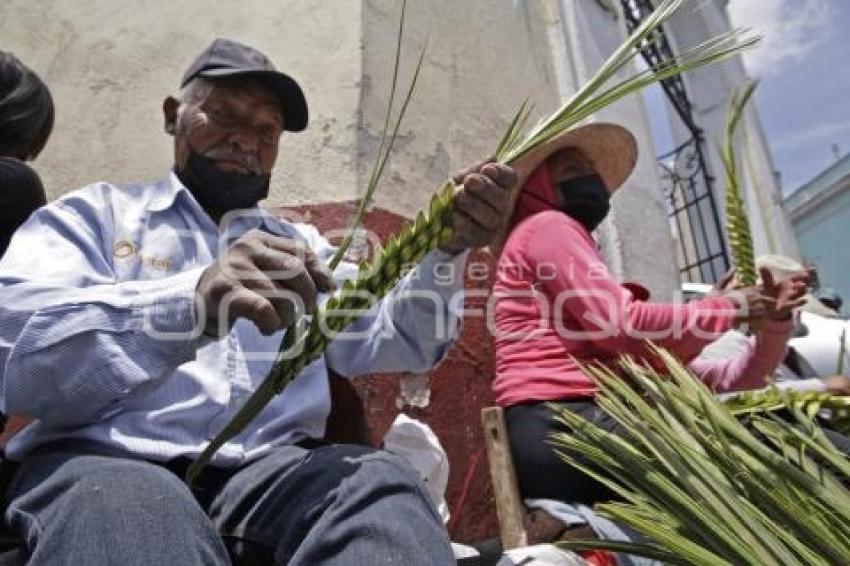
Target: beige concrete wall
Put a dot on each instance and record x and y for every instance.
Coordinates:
(482, 60)
(110, 63)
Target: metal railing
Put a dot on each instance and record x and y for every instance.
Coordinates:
(686, 180)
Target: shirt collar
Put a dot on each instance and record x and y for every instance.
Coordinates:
(166, 193)
(168, 190)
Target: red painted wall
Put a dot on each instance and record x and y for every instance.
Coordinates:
(460, 388)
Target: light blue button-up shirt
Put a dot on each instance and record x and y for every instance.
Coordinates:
(86, 279)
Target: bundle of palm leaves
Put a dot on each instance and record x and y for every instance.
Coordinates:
(701, 487)
(432, 227)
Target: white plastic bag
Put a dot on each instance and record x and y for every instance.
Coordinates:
(417, 443)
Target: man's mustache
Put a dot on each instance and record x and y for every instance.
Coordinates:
(246, 160)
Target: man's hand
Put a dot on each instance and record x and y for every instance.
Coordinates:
(262, 278)
(481, 206)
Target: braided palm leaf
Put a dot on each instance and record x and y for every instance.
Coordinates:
(809, 403)
(737, 224)
(434, 227)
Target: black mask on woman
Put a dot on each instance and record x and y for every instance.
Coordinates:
(586, 200)
(218, 192)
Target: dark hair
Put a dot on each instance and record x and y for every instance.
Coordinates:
(26, 109)
(21, 193)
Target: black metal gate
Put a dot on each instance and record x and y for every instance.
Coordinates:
(686, 181)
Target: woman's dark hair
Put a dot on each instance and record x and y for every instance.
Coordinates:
(26, 109)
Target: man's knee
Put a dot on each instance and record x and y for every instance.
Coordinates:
(100, 509)
(387, 465)
(381, 472)
(100, 489)
(121, 485)
(350, 460)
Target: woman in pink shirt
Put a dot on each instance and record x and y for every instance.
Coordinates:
(558, 307)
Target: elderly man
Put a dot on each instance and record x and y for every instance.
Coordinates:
(135, 320)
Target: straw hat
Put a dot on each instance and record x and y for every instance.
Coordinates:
(610, 148)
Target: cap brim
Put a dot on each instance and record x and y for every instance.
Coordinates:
(293, 101)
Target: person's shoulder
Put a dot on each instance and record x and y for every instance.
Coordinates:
(94, 196)
(102, 202)
(105, 193)
(16, 173)
(11, 165)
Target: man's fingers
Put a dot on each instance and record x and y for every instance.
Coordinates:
(245, 303)
(469, 231)
(288, 272)
(503, 175)
(458, 178)
(472, 203)
(321, 274)
(264, 291)
(488, 191)
(476, 214)
(284, 301)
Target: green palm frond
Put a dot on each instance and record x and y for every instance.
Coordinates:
(384, 148)
(702, 487)
(737, 224)
(434, 226)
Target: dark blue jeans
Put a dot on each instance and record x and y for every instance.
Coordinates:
(338, 504)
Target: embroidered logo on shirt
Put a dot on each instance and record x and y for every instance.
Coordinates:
(161, 263)
(124, 249)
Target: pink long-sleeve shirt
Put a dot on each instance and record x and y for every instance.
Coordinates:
(557, 307)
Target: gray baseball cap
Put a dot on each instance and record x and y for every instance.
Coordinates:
(228, 58)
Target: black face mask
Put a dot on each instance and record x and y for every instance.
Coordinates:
(219, 192)
(586, 200)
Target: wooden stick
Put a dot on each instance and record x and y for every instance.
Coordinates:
(509, 506)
